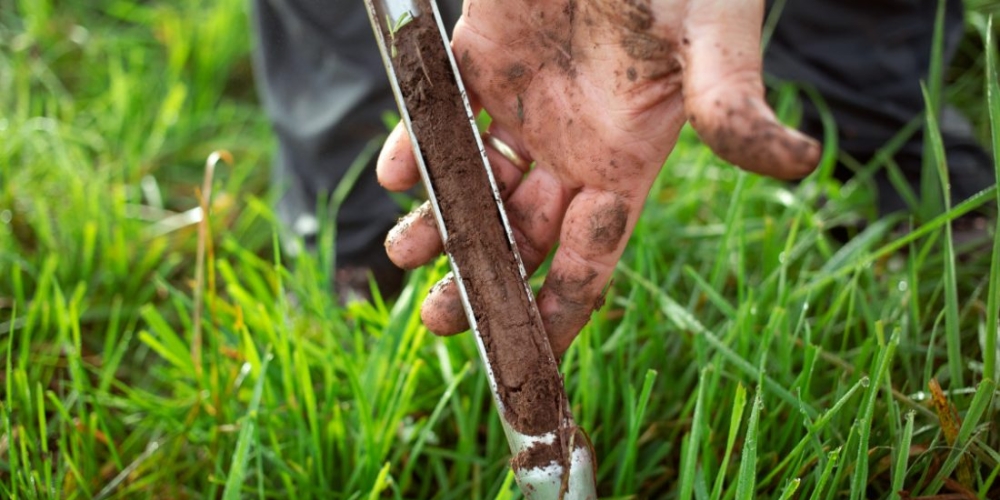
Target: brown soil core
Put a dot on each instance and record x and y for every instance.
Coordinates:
(527, 376)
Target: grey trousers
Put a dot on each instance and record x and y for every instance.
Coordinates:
(323, 85)
(867, 59)
(321, 81)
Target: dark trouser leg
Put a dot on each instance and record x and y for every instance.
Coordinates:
(867, 59)
(323, 85)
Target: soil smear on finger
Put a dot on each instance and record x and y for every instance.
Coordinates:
(528, 381)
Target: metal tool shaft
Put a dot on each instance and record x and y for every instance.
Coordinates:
(540, 482)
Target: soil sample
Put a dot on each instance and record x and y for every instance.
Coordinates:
(529, 385)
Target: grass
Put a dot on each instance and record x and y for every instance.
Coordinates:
(742, 353)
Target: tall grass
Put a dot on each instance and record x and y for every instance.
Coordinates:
(742, 353)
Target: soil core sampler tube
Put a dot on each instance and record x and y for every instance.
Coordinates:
(553, 458)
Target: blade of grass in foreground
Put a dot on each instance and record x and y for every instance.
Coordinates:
(381, 482)
(425, 432)
(739, 404)
(634, 424)
(692, 442)
(929, 196)
(831, 461)
(793, 486)
(746, 480)
(952, 335)
(241, 455)
(860, 477)
(988, 483)
(993, 300)
(902, 456)
(506, 490)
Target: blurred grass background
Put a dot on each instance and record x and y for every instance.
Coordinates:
(743, 353)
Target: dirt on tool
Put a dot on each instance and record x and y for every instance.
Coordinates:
(528, 381)
(541, 455)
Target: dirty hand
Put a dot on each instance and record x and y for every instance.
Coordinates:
(595, 92)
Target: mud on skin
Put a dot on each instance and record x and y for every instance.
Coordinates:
(423, 215)
(761, 146)
(607, 225)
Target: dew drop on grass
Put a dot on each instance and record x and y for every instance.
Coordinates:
(6, 216)
(896, 264)
(805, 306)
(244, 371)
(79, 35)
(903, 286)
(865, 382)
(782, 258)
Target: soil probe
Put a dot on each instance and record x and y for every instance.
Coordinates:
(553, 458)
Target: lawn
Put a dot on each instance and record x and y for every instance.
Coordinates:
(743, 352)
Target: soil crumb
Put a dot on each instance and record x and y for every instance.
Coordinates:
(538, 456)
(528, 380)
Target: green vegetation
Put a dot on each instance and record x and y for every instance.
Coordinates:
(394, 28)
(742, 353)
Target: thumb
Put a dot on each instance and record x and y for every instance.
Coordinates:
(724, 93)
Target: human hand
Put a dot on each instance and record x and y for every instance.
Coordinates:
(595, 93)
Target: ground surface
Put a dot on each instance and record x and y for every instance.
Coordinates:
(742, 352)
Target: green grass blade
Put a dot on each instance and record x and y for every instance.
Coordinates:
(747, 478)
(248, 432)
(853, 250)
(865, 420)
(735, 420)
(381, 482)
(952, 335)
(713, 295)
(506, 489)
(425, 433)
(902, 452)
(636, 418)
(988, 483)
(930, 195)
(993, 300)
(789, 491)
(689, 455)
(832, 460)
